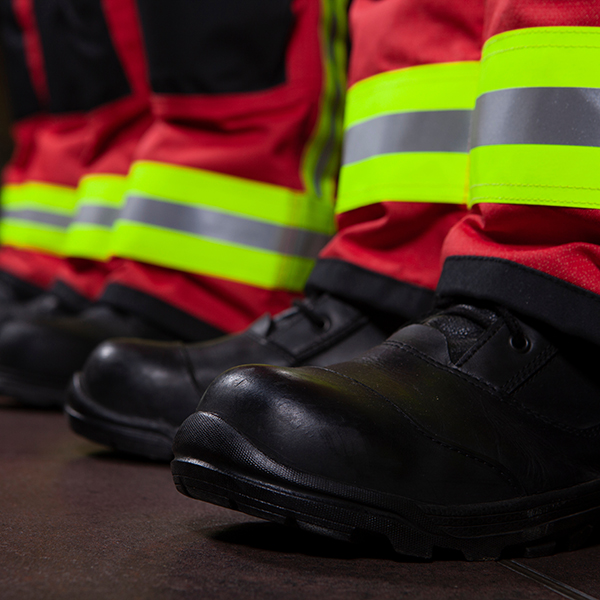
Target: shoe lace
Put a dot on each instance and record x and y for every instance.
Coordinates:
(518, 340)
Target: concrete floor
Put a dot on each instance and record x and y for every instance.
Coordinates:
(79, 521)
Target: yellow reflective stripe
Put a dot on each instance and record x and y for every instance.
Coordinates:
(36, 215)
(22, 235)
(443, 86)
(89, 236)
(536, 174)
(196, 255)
(320, 163)
(246, 198)
(424, 94)
(104, 189)
(44, 196)
(88, 241)
(406, 177)
(222, 226)
(541, 57)
(554, 172)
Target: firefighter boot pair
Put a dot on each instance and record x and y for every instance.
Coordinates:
(133, 395)
(474, 430)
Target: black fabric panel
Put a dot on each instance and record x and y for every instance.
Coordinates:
(24, 289)
(528, 292)
(72, 298)
(370, 289)
(24, 101)
(82, 66)
(215, 46)
(161, 314)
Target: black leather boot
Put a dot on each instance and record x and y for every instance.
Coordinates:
(134, 395)
(16, 296)
(473, 431)
(40, 352)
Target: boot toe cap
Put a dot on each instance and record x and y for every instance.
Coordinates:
(309, 419)
(149, 380)
(327, 424)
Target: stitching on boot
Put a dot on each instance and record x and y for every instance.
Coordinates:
(505, 475)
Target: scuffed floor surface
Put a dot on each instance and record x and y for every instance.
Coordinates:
(79, 521)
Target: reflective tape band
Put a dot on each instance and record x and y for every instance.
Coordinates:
(405, 177)
(541, 57)
(246, 198)
(46, 196)
(431, 131)
(407, 136)
(36, 215)
(90, 232)
(221, 226)
(97, 214)
(537, 175)
(17, 233)
(536, 129)
(100, 198)
(320, 164)
(443, 86)
(559, 116)
(107, 189)
(193, 254)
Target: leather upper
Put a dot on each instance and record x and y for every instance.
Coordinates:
(51, 346)
(47, 304)
(166, 381)
(447, 410)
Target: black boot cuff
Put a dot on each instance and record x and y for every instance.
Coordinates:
(526, 291)
(70, 297)
(368, 288)
(163, 315)
(24, 289)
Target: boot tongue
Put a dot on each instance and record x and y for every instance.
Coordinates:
(462, 325)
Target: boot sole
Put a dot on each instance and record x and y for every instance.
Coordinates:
(228, 470)
(27, 391)
(136, 436)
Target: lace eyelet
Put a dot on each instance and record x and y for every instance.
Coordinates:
(522, 346)
(325, 325)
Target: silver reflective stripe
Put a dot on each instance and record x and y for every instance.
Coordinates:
(225, 227)
(549, 116)
(423, 131)
(96, 214)
(37, 216)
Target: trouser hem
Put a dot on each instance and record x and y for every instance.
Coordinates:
(183, 325)
(23, 288)
(370, 289)
(72, 298)
(526, 291)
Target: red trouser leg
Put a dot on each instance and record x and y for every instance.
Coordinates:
(29, 94)
(34, 267)
(228, 118)
(87, 71)
(387, 251)
(114, 131)
(541, 260)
